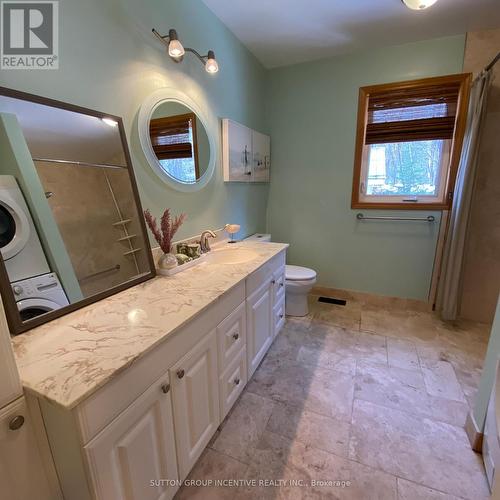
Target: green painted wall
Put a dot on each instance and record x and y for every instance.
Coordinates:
(489, 369)
(110, 61)
(312, 120)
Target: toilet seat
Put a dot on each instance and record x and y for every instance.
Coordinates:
(298, 273)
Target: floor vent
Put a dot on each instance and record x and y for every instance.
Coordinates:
(329, 300)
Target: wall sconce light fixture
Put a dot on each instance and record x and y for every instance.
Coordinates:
(176, 51)
(419, 4)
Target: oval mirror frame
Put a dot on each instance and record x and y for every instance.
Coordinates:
(209, 122)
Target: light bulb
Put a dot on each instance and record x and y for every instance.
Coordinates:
(175, 49)
(211, 65)
(419, 4)
(110, 122)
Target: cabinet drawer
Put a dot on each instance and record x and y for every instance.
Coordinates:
(232, 382)
(279, 284)
(279, 315)
(231, 336)
(264, 273)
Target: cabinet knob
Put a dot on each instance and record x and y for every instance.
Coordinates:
(236, 336)
(165, 388)
(282, 284)
(236, 381)
(273, 282)
(180, 373)
(248, 173)
(16, 423)
(281, 315)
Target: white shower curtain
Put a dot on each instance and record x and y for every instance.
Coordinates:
(450, 280)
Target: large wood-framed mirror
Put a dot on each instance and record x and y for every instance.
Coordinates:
(71, 225)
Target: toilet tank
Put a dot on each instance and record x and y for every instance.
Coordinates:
(265, 238)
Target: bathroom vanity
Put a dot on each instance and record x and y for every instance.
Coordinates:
(132, 388)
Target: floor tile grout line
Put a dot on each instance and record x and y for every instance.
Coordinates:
(226, 455)
(291, 403)
(429, 487)
(418, 415)
(409, 480)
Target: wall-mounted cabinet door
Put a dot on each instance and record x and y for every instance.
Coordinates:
(137, 447)
(260, 324)
(196, 401)
(261, 146)
(236, 152)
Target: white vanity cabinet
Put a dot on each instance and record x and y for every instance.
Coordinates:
(265, 305)
(196, 401)
(23, 469)
(136, 448)
(246, 153)
(152, 421)
(259, 324)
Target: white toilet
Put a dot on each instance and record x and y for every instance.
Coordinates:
(299, 282)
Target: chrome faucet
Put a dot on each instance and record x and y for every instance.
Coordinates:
(204, 244)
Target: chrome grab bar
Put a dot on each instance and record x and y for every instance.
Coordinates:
(429, 218)
(98, 273)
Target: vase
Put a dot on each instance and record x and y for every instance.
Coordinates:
(167, 261)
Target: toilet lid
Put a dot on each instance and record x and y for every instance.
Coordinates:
(297, 273)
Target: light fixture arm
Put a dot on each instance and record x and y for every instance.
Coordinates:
(203, 59)
(165, 39)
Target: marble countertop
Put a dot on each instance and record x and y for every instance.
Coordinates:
(66, 360)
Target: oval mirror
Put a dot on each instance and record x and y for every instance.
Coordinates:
(176, 140)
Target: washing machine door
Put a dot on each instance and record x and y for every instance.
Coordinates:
(14, 229)
(31, 308)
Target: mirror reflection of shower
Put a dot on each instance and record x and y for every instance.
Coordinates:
(69, 224)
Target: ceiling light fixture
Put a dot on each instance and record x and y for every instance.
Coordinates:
(419, 4)
(176, 51)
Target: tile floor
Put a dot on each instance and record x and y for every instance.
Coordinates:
(373, 398)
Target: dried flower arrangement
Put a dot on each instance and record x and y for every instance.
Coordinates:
(168, 227)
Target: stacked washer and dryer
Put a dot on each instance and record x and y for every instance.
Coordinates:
(37, 290)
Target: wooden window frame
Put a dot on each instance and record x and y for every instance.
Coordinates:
(464, 80)
(165, 121)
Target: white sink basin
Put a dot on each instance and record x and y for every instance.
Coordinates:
(231, 256)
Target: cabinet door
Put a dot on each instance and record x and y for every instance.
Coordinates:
(22, 474)
(260, 327)
(195, 395)
(261, 146)
(136, 448)
(237, 152)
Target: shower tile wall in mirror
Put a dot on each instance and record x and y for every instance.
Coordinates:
(71, 226)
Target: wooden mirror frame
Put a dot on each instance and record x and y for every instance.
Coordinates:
(16, 325)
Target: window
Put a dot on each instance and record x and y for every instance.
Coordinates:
(408, 144)
(174, 144)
